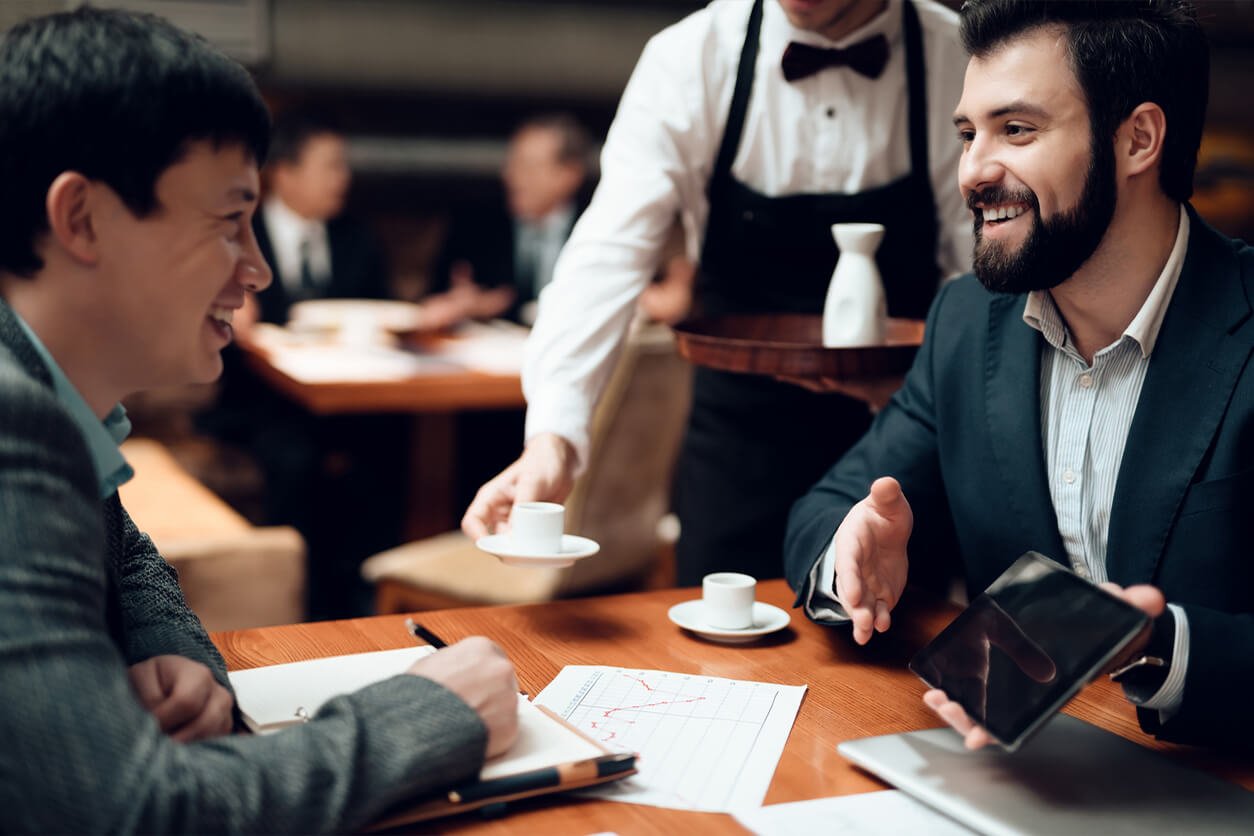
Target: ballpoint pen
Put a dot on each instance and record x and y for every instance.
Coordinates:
(423, 634)
(576, 773)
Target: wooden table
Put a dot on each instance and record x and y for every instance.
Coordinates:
(433, 398)
(853, 692)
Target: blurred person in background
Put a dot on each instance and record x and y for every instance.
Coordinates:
(496, 263)
(761, 124)
(315, 250)
(335, 479)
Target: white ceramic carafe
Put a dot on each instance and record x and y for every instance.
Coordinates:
(854, 312)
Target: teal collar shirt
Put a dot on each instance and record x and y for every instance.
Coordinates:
(102, 437)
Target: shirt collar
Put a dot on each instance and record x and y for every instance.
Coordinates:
(289, 228)
(777, 32)
(102, 437)
(1041, 313)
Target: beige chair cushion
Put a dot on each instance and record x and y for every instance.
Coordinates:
(233, 574)
(449, 565)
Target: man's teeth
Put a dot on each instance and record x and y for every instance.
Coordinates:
(223, 315)
(1003, 213)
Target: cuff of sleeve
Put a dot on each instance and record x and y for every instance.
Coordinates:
(1167, 699)
(821, 603)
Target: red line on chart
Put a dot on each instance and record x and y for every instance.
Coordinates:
(643, 684)
(605, 715)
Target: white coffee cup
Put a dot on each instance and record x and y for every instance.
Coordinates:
(728, 600)
(536, 527)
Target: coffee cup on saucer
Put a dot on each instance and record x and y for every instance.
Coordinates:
(727, 600)
(537, 527)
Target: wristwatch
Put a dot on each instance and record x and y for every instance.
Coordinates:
(1144, 675)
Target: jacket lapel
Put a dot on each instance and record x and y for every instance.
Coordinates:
(1195, 365)
(1013, 412)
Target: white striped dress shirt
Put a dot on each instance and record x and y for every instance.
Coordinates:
(1086, 413)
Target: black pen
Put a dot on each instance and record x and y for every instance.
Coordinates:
(572, 774)
(423, 634)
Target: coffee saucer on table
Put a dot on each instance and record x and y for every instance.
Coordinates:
(573, 548)
(767, 618)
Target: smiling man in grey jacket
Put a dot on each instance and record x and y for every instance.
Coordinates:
(128, 154)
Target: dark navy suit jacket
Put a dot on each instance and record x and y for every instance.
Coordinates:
(963, 436)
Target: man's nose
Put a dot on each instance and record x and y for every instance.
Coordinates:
(252, 271)
(979, 168)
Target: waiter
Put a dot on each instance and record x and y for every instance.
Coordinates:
(760, 124)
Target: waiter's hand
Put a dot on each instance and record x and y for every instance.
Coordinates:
(1144, 597)
(545, 472)
(871, 561)
(875, 392)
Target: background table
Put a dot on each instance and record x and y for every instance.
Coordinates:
(432, 398)
(853, 692)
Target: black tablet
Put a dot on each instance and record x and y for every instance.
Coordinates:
(1026, 645)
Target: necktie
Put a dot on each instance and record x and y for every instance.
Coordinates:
(865, 57)
(307, 283)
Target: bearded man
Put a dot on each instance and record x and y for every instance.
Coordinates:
(1087, 393)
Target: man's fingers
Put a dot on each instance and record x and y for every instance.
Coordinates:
(882, 619)
(863, 623)
(1148, 599)
(184, 704)
(147, 683)
(214, 720)
(886, 498)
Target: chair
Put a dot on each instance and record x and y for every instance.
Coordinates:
(233, 574)
(618, 501)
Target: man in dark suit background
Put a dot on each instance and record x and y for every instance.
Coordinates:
(315, 250)
(335, 479)
(129, 153)
(495, 263)
(1088, 393)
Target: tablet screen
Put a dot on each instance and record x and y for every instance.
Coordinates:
(1027, 645)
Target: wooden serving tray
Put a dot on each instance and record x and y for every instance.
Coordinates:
(790, 345)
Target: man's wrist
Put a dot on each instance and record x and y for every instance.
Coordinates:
(555, 445)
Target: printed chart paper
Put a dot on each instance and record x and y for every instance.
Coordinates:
(704, 743)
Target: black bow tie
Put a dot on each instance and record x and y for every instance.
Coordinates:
(866, 57)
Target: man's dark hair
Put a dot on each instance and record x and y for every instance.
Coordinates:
(1124, 53)
(575, 144)
(295, 127)
(116, 97)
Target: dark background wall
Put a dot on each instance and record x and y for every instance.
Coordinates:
(430, 89)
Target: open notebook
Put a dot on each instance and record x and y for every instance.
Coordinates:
(282, 696)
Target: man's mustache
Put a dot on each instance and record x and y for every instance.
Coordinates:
(998, 195)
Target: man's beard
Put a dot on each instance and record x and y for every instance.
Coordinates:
(1055, 248)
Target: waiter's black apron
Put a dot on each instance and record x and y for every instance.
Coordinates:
(753, 444)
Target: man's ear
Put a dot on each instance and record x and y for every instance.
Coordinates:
(69, 205)
(1139, 145)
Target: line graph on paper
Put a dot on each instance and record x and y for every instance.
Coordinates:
(704, 743)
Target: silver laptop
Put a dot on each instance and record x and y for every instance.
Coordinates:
(1071, 778)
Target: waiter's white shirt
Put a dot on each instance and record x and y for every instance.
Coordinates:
(835, 131)
(290, 233)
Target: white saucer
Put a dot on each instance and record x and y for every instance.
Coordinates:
(767, 618)
(573, 548)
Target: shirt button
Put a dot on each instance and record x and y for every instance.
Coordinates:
(1068, 476)
(1086, 380)
(830, 113)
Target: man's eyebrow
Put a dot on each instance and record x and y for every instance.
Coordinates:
(242, 194)
(1017, 107)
